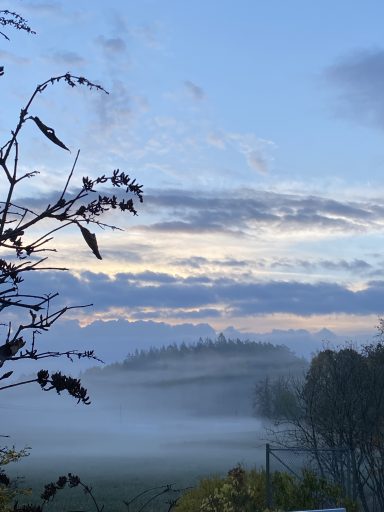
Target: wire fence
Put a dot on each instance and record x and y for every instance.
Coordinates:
(332, 464)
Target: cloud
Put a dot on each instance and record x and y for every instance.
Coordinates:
(353, 266)
(13, 58)
(149, 34)
(112, 45)
(44, 8)
(67, 58)
(198, 262)
(257, 162)
(248, 212)
(195, 91)
(114, 111)
(161, 295)
(245, 211)
(217, 140)
(360, 80)
(254, 149)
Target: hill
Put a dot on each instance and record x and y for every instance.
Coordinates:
(214, 377)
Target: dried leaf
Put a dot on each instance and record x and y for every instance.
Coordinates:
(6, 375)
(8, 350)
(49, 132)
(90, 238)
(16, 345)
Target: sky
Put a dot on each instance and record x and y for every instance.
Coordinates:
(256, 128)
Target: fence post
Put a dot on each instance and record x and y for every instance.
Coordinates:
(349, 475)
(268, 477)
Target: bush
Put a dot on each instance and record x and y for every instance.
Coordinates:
(8, 489)
(245, 491)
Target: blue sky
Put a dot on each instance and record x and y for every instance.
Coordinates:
(257, 131)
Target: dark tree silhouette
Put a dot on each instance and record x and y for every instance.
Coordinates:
(336, 412)
(27, 236)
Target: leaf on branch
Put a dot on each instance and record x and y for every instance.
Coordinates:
(60, 383)
(90, 238)
(8, 350)
(6, 375)
(49, 132)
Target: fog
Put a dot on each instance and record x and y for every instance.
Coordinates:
(191, 413)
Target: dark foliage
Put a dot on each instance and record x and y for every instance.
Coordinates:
(15, 21)
(275, 398)
(221, 346)
(17, 222)
(138, 503)
(339, 405)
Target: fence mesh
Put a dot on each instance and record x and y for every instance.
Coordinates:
(334, 465)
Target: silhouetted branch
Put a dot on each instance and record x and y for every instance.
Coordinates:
(56, 381)
(14, 20)
(112, 191)
(164, 489)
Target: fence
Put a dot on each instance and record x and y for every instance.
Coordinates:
(325, 510)
(332, 464)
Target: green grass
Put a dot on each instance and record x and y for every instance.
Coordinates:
(112, 480)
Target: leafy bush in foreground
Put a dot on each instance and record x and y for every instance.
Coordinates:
(9, 490)
(245, 491)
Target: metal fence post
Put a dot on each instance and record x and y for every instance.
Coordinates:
(349, 475)
(268, 476)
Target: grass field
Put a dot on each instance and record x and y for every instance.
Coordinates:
(113, 480)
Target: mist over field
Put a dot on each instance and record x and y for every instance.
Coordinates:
(113, 340)
(187, 407)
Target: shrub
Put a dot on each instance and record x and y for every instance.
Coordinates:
(245, 491)
(9, 490)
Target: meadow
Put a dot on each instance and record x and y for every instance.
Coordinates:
(115, 480)
(171, 416)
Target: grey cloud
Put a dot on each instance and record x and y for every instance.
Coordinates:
(288, 264)
(193, 262)
(67, 58)
(175, 296)
(360, 79)
(241, 211)
(355, 265)
(306, 299)
(113, 45)
(194, 90)
(148, 34)
(183, 314)
(147, 277)
(191, 227)
(200, 262)
(133, 254)
(11, 57)
(115, 109)
(352, 266)
(43, 8)
(200, 313)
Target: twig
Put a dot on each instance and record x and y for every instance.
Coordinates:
(70, 175)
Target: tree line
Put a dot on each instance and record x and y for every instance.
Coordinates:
(207, 346)
(337, 405)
